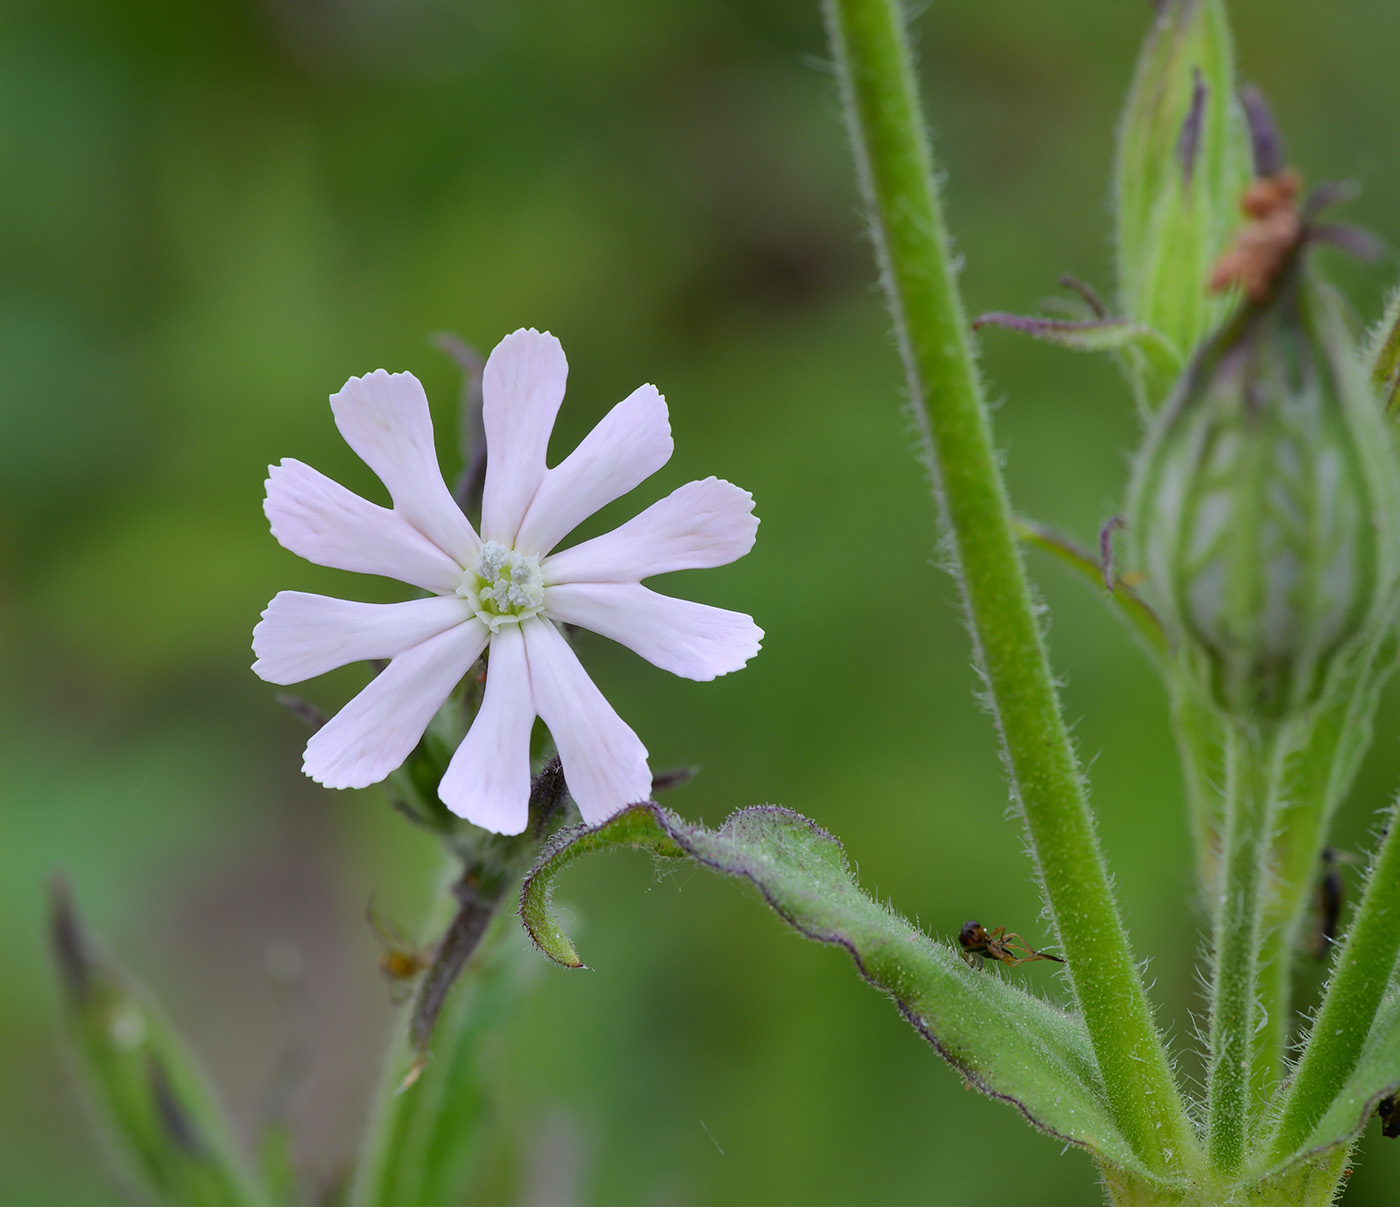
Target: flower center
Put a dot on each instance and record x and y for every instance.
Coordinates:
(503, 586)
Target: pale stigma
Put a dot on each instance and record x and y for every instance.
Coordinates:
(503, 586)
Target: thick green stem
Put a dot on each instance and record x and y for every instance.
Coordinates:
(1251, 778)
(1364, 968)
(896, 169)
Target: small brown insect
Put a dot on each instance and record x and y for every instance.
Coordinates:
(1263, 246)
(1389, 1112)
(978, 945)
(400, 960)
(1331, 891)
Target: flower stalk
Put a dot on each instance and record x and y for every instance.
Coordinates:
(1251, 770)
(895, 164)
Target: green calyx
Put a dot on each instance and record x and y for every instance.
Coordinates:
(1263, 508)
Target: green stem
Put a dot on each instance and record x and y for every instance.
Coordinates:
(1320, 766)
(1298, 823)
(1251, 778)
(1276, 950)
(896, 169)
(1199, 737)
(382, 1150)
(1364, 968)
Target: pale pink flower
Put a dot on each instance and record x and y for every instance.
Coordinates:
(506, 589)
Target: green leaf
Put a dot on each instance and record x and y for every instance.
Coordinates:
(1127, 602)
(1353, 1048)
(1005, 1042)
(1326, 750)
(1149, 360)
(1384, 355)
(1376, 1076)
(164, 1123)
(1107, 334)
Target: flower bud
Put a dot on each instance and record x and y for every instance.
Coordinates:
(1183, 158)
(1264, 507)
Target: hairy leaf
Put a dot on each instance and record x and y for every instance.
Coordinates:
(1107, 334)
(1383, 355)
(1005, 1042)
(164, 1124)
(1128, 603)
(1376, 1076)
(1149, 359)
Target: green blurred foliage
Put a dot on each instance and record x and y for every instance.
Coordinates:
(213, 214)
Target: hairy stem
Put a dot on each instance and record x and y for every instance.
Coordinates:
(379, 1152)
(1199, 737)
(1364, 968)
(896, 168)
(1251, 779)
(1318, 771)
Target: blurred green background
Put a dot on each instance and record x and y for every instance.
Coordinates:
(212, 214)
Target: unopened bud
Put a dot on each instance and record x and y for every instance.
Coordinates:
(1183, 158)
(1264, 510)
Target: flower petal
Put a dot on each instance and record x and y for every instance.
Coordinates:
(605, 763)
(378, 729)
(323, 522)
(631, 443)
(521, 388)
(488, 779)
(689, 639)
(301, 636)
(701, 524)
(384, 417)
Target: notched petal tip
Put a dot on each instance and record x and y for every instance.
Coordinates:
(377, 378)
(338, 778)
(699, 525)
(385, 418)
(709, 656)
(525, 352)
(746, 647)
(302, 636)
(689, 639)
(522, 387)
(523, 336)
